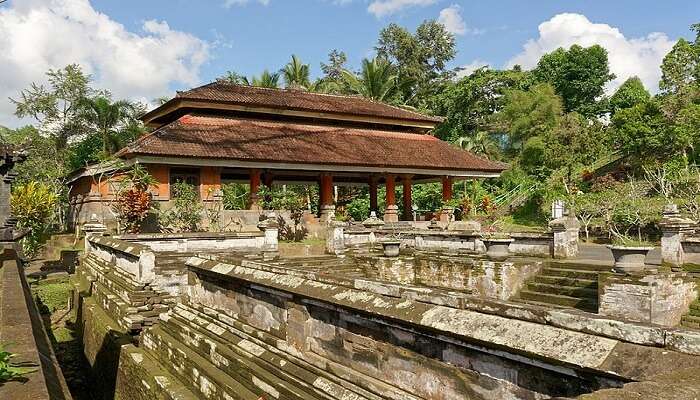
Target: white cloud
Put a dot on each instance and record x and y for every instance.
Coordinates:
(628, 57)
(231, 3)
(38, 35)
(468, 69)
(451, 17)
(381, 8)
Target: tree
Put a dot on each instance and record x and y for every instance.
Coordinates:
(421, 58)
(110, 119)
(530, 113)
(377, 80)
(480, 143)
(33, 204)
(643, 132)
(629, 94)
(680, 67)
(333, 71)
(578, 75)
(296, 74)
(57, 108)
(233, 77)
(470, 103)
(267, 80)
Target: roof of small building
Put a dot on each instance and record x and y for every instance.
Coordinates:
(286, 100)
(256, 140)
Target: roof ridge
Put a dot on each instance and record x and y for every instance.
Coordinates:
(335, 95)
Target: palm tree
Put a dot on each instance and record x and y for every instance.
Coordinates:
(267, 80)
(109, 119)
(378, 80)
(296, 74)
(480, 143)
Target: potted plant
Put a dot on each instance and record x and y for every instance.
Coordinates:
(629, 254)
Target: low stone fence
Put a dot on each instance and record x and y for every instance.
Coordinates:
(22, 333)
(203, 241)
(660, 299)
(136, 259)
(526, 244)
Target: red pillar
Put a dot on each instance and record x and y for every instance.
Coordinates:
(446, 188)
(407, 183)
(390, 190)
(326, 190)
(254, 187)
(373, 203)
(390, 213)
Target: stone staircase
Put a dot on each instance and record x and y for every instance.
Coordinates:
(565, 286)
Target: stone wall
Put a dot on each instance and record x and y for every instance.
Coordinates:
(22, 332)
(660, 299)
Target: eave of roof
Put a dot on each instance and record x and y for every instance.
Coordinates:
(275, 142)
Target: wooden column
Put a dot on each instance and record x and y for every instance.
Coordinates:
(446, 188)
(373, 203)
(254, 187)
(391, 211)
(326, 190)
(407, 183)
(267, 181)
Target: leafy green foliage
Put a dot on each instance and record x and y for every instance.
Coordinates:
(377, 80)
(235, 196)
(421, 58)
(8, 370)
(296, 74)
(185, 214)
(578, 75)
(629, 94)
(33, 204)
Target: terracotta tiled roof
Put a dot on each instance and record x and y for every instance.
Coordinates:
(284, 142)
(286, 99)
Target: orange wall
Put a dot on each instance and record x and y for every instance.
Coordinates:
(210, 182)
(161, 173)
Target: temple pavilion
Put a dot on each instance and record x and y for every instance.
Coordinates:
(223, 132)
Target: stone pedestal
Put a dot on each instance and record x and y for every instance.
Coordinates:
(327, 215)
(447, 215)
(565, 231)
(270, 227)
(373, 222)
(391, 214)
(335, 238)
(673, 229)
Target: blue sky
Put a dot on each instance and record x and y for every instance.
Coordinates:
(265, 36)
(146, 49)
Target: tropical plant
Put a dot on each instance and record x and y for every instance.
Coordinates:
(8, 370)
(33, 205)
(266, 80)
(296, 74)
(377, 80)
(133, 201)
(480, 143)
(109, 119)
(186, 212)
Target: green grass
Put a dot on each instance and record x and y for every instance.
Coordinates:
(53, 293)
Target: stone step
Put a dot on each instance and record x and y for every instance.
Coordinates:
(571, 291)
(589, 305)
(690, 321)
(579, 267)
(570, 273)
(567, 281)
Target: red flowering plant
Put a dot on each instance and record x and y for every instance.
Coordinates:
(133, 201)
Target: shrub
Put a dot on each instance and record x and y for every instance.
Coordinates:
(235, 196)
(33, 205)
(185, 215)
(133, 201)
(9, 371)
